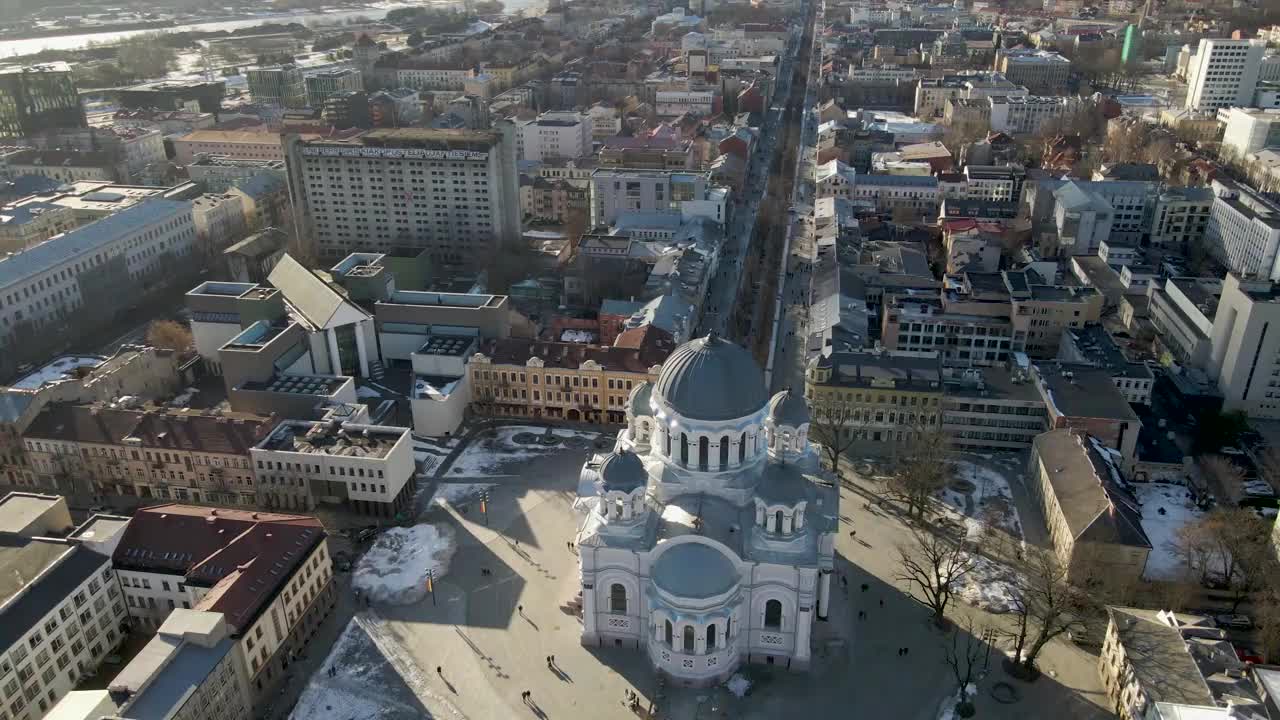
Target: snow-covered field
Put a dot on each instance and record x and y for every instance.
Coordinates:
(990, 502)
(499, 454)
(394, 570)
(1162, 530)
(364, 684)
(989, 585)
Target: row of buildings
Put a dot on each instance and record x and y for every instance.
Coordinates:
(231, 597)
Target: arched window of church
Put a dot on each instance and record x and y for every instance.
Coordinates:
(704, 453)
(724, 453)
(669, 634)
(666, 441)
(684, 450)
(728, 625)
(618, 599)
(688, 638)
(711, 637)
(617, 508)
(742, 448)
(777, 521)
(773, 614)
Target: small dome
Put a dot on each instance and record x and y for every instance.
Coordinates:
(638, 403)
(623, 472)
(783, 484)
(694, 570)
(711, 379)
(789, 408)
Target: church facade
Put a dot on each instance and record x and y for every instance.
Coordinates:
(708, 533)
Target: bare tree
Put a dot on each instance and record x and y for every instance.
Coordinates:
(1228, 546)
(168, 335)
(922, 469)
(931, 566)
(1046, 605)
(830, 425)
(962, 656)
(1224, 478)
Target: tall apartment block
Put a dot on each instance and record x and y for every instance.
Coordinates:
(452, 192)
(280, 85)
(35, 98)
(1223, 73)
(1245, 353)
(1244, 231)
(323, 84)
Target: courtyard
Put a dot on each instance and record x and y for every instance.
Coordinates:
(500, 603)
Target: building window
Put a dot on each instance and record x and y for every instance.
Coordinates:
(618, 599)
(668, 633)
(711, 637)
(688, 638)
(773, 614)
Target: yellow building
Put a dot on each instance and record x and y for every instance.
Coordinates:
(891, 394)
(570, 381)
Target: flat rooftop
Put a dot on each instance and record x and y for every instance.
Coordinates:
(450, 345)
(318, 385)
(454, 300)
(256, 336)
(339, 439)
(63, 368)
(176, 669)
(18, 510)
(1078, 390)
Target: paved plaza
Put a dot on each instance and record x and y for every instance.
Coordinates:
(502, 608)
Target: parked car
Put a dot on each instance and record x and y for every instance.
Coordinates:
(1235, 622)
(367, 534)
(1247, 655)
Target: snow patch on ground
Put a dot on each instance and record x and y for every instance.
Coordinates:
(453, 493)
(738, 685)
(578, 336)
(493, 455)
(991, 500)
(395, 569)
(360, 687)
(1162, 530)
(989, 585)
(948, 709)
(678, 515)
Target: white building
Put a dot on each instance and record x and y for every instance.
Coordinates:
(1223, 73)
(707, 539)
(47, 283)
(995, 183)
(1244, 231)
(434, 78)
(616, 191)
(1026, 114)
(1082, 217)
(1248, 130)
(670, 103)
(454, 192)
(605, 121)
(1245, 358)
(556, 136)
(369, 467)
(272, 597)
(62, 608)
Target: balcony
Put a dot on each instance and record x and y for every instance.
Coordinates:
(696, 670)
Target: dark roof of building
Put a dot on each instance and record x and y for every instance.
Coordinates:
(20, 556)
(1084, 391)
(243, 557)
(901, 371)
(232, 433)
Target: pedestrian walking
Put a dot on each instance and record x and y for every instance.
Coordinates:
(440, 670)
(865, 587)
(906, 651)
(881, 602)
(520, 609)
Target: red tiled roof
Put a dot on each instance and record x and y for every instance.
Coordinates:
(244, 557)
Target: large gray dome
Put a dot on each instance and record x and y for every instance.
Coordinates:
(711, 379)
(638, 402)
(789, 408)
(623, 472)
(694, 570)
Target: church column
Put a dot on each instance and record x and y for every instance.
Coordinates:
(824, 593)
(803, 625)
(335, 360)
(361, 351)
(588, 612)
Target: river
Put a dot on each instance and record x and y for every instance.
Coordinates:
(9, 48)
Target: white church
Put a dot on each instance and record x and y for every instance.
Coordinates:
(709, 531)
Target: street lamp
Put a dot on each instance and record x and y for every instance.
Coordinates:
(484, 505)
(431, 585)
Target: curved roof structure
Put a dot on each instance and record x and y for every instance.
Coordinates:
(694, 570)
(789, 408)
(711, 379)
(638, 403)
(623, 472)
